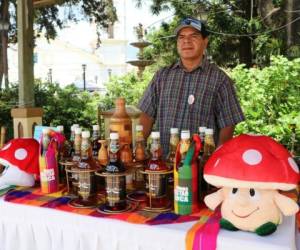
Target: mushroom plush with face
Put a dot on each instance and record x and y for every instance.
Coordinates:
(249, 170)
(20, 160)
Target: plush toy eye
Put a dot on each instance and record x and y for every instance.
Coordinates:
(254, 194)
(233, 193)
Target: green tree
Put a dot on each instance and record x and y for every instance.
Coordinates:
(247, 32)
(47, 20)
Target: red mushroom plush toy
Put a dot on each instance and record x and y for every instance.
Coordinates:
(250, 169)
(20, 160)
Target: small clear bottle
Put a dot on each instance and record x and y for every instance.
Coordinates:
(174, 141)
(184, 144)
(209, 148)
(77, 144)
(115, 185)
(202, 134)
(139, 150)
(95, 140)
(156, 185)
(209, 143)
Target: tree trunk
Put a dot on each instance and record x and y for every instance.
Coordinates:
(245, 50)
(4, 41)
(293, 28)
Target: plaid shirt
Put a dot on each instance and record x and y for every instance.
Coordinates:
(215, 102)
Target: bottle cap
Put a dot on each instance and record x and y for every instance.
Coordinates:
(174, 131)
(96, 127)
(139, 127)
(155, 135)
(202, 129)
(77, 131)
(46, 131)
(60, 128)
(85, 134)
(185, 134)
(114, 136)
(209, 131)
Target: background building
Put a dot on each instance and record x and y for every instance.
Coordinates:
(61, 60)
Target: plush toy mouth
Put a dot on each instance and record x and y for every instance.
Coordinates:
(245, 216)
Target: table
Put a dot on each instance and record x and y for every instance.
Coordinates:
(34, 228)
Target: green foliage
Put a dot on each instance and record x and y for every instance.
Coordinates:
(128, 86)
(240, 33)
(8, 100)
(47, 18)
(270, 98)
(162, 39)
(66, 106)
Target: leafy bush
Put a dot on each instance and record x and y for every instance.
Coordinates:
(128, 86)
(270, 98)
(66, 106)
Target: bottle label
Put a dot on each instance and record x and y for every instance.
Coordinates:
(153, 166)
(181, 194)
(114, 147)
(112, 168)
(48, 175)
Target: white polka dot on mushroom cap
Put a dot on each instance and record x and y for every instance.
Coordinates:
(6, 146)
(252, 157)
(21, 154)
(293, 165)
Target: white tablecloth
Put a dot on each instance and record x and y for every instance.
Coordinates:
(33, 228)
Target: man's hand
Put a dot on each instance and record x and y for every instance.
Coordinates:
(225, 134)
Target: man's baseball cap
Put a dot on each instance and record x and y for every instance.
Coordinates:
(193, 23)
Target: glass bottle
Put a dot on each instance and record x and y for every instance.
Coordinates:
(157, 183)
(86, 179)
(139, 133)
(201, 163)
(85, 147)
(174, 140)
(126, 154)
(139, 151)
(120, 122)
(156, 162)
(115, 184)
(95, 140)
(77, 144)
(71, 141)
(209, 148)
(63, 154)
(184, 144)
(202, 134)
(209, 144)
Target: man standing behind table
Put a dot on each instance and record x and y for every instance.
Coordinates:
(192, 92)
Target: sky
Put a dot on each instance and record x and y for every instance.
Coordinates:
(134, 16)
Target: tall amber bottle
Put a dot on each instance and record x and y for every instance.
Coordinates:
(120, 122)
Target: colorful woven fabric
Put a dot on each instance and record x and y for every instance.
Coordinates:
(34, 197)
(203, 235)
